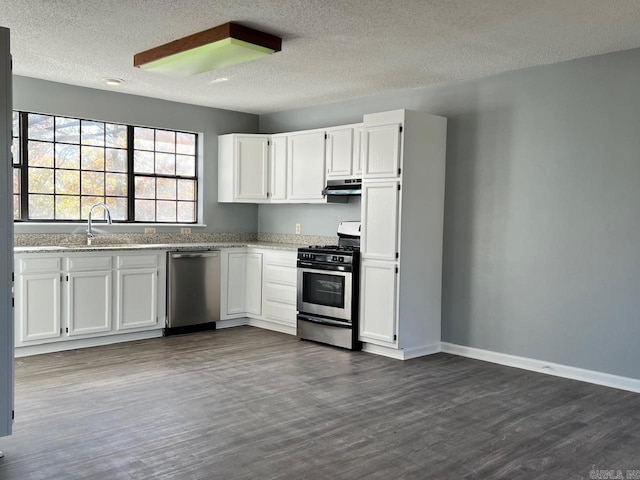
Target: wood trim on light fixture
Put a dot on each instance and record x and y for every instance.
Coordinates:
(205, 37)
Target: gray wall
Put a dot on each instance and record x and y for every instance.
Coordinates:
(41, 96)
(542, 207)
(6, 240)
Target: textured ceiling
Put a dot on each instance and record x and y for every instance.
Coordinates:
(332, 49)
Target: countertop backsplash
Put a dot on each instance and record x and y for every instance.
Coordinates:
(57, 239)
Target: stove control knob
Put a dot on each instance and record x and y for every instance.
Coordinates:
(334, 259)
(341, 259)
(312, 256)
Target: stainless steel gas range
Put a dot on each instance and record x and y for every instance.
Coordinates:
(328, 286)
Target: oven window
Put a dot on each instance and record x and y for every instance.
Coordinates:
(323, 289)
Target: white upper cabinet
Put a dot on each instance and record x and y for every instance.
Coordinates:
(340, 152)
(357, 151)
(243, 168)
(278, 168)
(381, 144)
(306, 157)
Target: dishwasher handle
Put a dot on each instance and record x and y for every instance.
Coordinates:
(212, 253)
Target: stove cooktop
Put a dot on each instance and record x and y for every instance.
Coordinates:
(333, 249)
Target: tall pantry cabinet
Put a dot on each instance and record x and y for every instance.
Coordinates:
(402, 227)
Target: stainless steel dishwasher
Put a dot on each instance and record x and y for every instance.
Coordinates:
(193, 293)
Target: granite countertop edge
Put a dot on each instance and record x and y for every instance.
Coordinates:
(162, 246)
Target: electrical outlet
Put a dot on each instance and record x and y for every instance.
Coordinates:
(149, 229)
(297, 229)
(185, 230)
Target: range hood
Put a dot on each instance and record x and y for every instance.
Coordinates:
(342, 188)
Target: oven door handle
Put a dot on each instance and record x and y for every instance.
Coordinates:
(325, 321)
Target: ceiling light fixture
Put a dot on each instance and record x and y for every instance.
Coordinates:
(218, 47)
(113, 82)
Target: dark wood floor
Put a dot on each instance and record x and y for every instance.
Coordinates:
(245, 403)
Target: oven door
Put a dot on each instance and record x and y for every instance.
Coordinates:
(325, 292)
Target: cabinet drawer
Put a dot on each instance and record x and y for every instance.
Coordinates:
(280, 311)
(282, 275)
(281, 259)
(137, 261)
(280, 293)
(38, 265)
(85, 263)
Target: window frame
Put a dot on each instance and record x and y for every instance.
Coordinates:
(23, 166)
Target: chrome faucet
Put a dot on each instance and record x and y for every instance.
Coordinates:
(90, 234)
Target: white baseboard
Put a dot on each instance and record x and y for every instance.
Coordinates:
(399, 353)
(267, 325)
(234, 322)
(540, 366)
(84, 343)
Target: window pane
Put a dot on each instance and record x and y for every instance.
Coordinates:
(15, 127)
(15, 151)
(186, 212)
(92, 183)
(145, 211)
(85, 205)
(166, 211)
(16, 180)
(67, 156)
(92, 133)
(67, 130)
(118, 208)
(186, 190)
(41, 180)
(41, 207)
(165, 141)
(40, 154)
(92, 158)
(68, 182)
(117, 184)
(186, 143)
(145, 188)
(116, 135)
(40, 127)
(116, 160)
(185, 166)
(67, 207)
(16, 207)
(166, 189)
(143, 138)
(166, 163)
(143, 162)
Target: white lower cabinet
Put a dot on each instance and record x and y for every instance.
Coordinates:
(38, 307)
(259, 288)
(88, 302)
(242, 284)
(378, 293)
(86, 295)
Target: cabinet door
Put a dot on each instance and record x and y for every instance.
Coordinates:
(236, 283)
(136, 298)
(278, 170)
(253, 302)
(38, 306)
(305, 156)
(251, 167)
(357, 152)
(88, 302)
(379, 236)
(378, 284)
(382, 151)
(339, 153)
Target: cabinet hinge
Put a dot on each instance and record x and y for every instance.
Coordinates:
(397, 254)
(268, 142)
(13, 277)
(400, 128)
(66, 330)
(13, 414)
(67, 278)
(396, 269)
(268, 194)
(326, 136)
(395, 337)
(399, 171)
(13, 302)
(398, 187)
(60, 330)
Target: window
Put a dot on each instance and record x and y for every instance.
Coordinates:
(64, 165)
